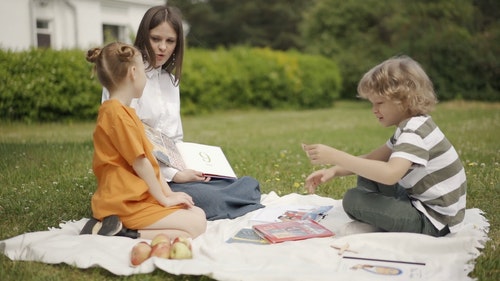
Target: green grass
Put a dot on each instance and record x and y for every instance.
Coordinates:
(46, 178)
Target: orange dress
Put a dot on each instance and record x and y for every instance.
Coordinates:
(119, 139)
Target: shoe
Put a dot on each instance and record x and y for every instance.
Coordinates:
(88, 228)
(130, 233)
(109, 226)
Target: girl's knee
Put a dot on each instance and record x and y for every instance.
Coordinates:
(199, 223)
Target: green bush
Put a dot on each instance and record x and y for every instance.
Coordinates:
(48, 85)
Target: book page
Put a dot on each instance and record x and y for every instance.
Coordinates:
(207, 159)
(291, 212)
(363, 268)
(164, 149)
(175, 157)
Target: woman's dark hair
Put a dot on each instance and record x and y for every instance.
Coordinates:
(152, 18)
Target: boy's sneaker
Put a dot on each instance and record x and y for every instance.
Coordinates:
(109, 226)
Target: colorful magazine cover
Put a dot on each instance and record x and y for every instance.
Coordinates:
(292, 230)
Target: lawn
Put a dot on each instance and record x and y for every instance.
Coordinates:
(46, 172)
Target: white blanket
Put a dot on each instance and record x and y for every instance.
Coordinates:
(446, 258)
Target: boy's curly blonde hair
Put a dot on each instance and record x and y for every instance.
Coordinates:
(402, 80)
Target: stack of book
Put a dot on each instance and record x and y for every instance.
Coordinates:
(285, 224)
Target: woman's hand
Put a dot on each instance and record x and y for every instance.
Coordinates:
(189, 175)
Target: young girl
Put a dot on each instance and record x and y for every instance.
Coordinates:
(130, 188)
(413, 183)
(160, 38)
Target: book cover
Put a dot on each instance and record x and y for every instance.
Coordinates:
(276, 232)
(208, 159)
(247, 235)
(291, 212)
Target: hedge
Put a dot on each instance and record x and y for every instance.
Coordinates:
(41, 85)
(47, 85)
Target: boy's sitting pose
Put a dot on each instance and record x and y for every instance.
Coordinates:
(415, 182)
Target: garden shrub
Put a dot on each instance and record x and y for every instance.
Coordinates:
(40, 85)
(47, 85)
(243, 77)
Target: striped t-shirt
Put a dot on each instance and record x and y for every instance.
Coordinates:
(436, 182)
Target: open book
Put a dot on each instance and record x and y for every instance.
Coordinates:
(208, 159)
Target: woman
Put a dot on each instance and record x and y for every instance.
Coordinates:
(161, 41)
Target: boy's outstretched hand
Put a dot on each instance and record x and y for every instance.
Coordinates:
(319, 154)
(318, 177)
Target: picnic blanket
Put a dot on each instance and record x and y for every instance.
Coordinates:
(428, 258)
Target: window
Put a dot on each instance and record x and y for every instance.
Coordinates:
(43, 33)
(112, 33)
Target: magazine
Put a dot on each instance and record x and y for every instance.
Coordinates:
(247, 235)
(276, 232)
(291, 212)
(208, 159)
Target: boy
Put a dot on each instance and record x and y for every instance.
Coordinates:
(415, 182)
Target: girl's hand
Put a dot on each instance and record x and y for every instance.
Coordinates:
(179, 198)
(317, 178)
(189, 175)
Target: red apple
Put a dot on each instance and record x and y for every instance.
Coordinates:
(160, 238)
(161, 250)
(140, 253)
(180, 250)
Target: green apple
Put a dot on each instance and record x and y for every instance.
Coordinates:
(180, 250)
(184, 240)
(160, 238)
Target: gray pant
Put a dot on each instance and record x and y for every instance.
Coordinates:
(387, 207)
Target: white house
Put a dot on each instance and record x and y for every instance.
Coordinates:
(67, 24)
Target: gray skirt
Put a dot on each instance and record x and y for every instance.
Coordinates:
(223, 198)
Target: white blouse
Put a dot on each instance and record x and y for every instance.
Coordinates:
(159, 107)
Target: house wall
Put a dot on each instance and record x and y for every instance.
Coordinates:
(15, 24)
(72, 23)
